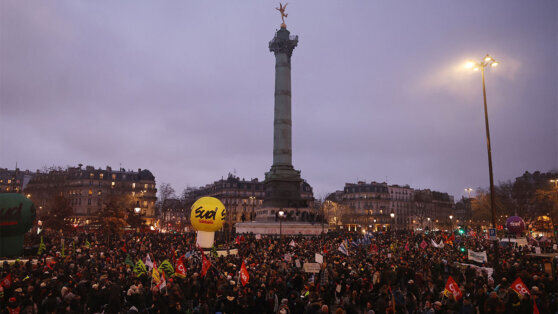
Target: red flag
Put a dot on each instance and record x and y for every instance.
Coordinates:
(242, 239)
(535, 307)
(237, 240)
(7, 281)
(423, 244)
(244, 276)
(452, 238)
(206, 264)
(180, 269)
(451, 286)
(519, 287)
(123, 248)
(325, 249)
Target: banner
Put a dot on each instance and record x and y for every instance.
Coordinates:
(479, 257)
(311, 267)
(451, 286)
(519, 287)
(489, 271)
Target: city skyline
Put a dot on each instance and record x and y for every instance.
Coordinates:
(380, 92)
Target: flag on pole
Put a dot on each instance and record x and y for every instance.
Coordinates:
(180, 269)
(343, 249)
(140, 268)
(451, 286)
(244, 276)
(519, 287)
(148, 262)
(237, 240)
(42, 247)
(206, 264)
(163, 284)
(167, 268)
(7, 281)
(155, 276)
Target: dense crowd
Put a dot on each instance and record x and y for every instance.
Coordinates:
(385, 272)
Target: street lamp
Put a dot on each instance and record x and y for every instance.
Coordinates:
(429, 223)
(392, 214)
(469, 191)
(253, 200)
(137, 209)
(451, 221)
(487, 61)
(281, 213)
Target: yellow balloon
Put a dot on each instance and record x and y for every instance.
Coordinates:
(208, 214)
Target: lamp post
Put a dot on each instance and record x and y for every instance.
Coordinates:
(429, 223)
(392, 215)
(451, 222)
(253, 200)
(281, 214)
(487, 61)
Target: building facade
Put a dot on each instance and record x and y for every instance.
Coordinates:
(14, 181)
(89, 189)
(379, 206)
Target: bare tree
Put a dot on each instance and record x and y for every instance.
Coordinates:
(166, 191)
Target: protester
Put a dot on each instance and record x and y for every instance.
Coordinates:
(384, 272)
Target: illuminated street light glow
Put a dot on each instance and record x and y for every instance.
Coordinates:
(469, 64)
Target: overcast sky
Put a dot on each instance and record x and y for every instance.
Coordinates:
(185, 89)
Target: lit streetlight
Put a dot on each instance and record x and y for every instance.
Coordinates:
(486, 61)
(469, 191)
(392, 214)
(451, 221)
(281, 214)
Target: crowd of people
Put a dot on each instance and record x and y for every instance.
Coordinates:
(383, 272)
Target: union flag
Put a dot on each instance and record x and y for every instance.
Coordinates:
(244, 276)
(451, 286)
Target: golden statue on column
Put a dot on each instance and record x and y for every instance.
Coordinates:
(281, 9)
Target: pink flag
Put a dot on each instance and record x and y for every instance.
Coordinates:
(423, 244)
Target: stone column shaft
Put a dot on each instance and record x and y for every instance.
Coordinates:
(282, 123)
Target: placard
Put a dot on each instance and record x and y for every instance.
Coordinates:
(312, 267)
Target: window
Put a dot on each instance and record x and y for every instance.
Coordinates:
(114, 176)
(133, 185)
(145, 186)
(90, 191)
(91, 175)
(101, 175)
(113, 184)
(144, 203)
(99, 193)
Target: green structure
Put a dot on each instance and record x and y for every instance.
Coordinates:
(17, 214)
